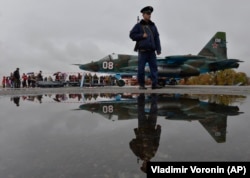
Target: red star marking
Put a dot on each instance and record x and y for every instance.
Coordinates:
(215, 45)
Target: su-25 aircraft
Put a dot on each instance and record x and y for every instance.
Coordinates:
(212, 57)
(212, 116)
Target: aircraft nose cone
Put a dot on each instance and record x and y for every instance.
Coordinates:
(89, 107)
(93, 67)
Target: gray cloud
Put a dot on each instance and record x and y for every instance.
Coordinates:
(51, 35)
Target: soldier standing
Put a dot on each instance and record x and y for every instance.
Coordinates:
(147, 39)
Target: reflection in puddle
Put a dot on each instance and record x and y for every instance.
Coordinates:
(210, 111)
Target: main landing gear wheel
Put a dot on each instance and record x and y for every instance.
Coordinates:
(173, 82)
(162, 82)
(120, 83)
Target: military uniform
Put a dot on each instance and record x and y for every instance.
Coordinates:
(146, 47)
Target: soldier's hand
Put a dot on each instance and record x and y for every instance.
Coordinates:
(145, 35)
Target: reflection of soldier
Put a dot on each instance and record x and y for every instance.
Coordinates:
(16, 100)
(148, 133)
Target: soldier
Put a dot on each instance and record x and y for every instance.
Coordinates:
(148, 133)
(147, 39)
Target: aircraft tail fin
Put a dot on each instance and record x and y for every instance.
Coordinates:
(216, 47)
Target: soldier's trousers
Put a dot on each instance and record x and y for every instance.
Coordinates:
(150, 58)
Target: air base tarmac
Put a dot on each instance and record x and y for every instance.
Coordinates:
(177, 89)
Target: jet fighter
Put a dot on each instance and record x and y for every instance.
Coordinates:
(211, 58)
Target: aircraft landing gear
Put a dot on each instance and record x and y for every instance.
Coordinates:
(162, 82)
(119, 80)
(120, 83)
(172, 82)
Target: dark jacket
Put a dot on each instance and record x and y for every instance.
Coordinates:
(16, 74)
(152, 42)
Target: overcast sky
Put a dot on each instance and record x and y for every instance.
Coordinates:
(50, 35)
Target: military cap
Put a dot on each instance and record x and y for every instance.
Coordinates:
(147, 9)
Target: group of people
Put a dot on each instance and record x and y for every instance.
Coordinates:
(99, 80)
(16, 80)
(27, 80)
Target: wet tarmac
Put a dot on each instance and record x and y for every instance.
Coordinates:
(188, 89)
(111, 132)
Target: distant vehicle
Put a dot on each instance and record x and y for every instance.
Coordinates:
(211, 58)
(50, 84)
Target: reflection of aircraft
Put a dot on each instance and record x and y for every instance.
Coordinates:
(212, 116)
(212, 57)
(109, 108)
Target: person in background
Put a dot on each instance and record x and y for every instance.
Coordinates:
(4, 81)
(24, 80)
(39, 76)
(8, 82)
(16, 77)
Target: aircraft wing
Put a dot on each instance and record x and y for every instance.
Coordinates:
(216, 127)
(177, 60)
